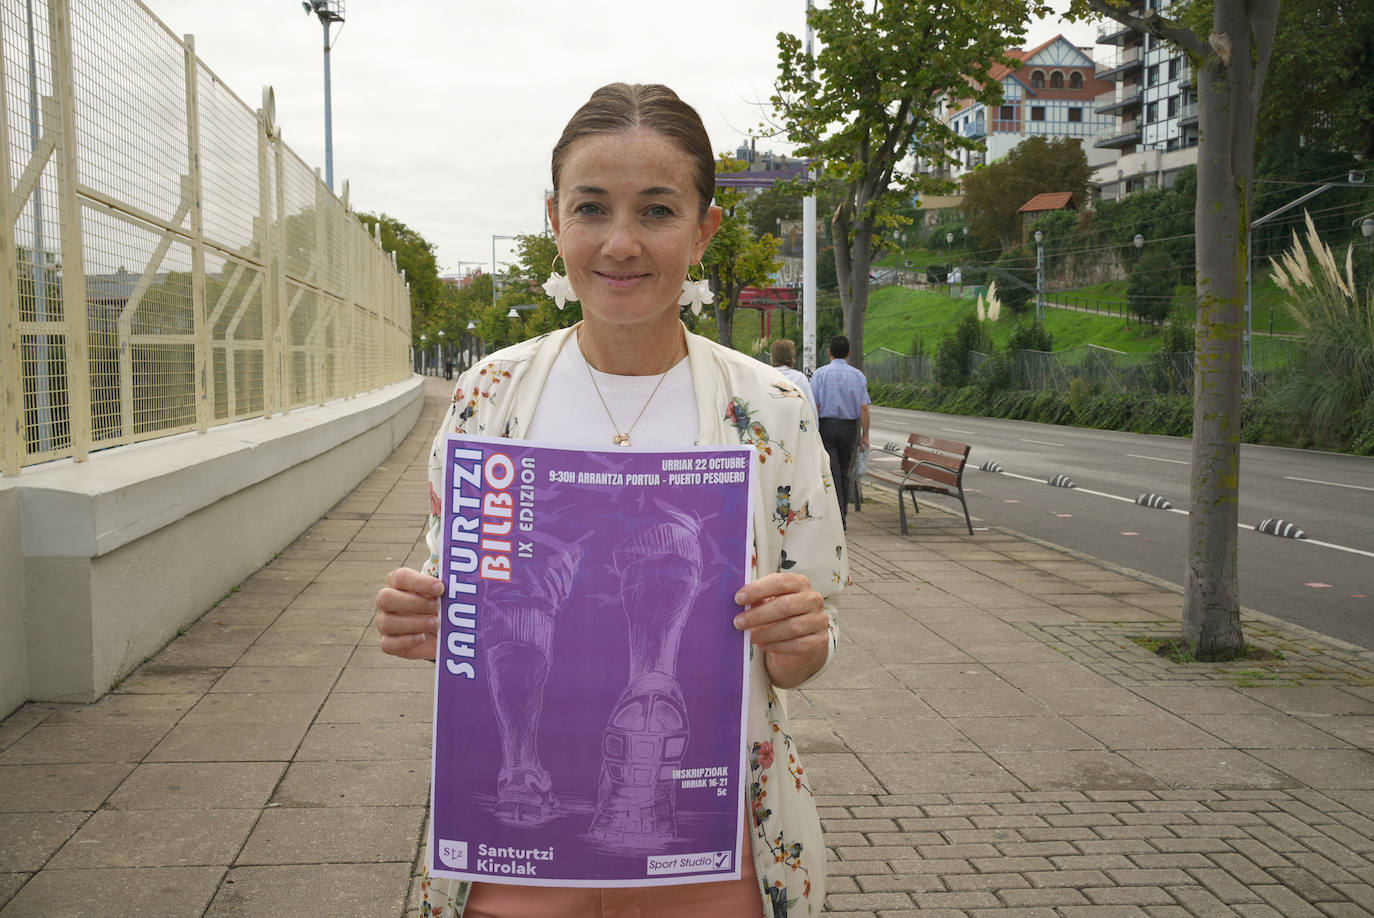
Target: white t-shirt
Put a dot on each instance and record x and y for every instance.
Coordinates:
(569, 410)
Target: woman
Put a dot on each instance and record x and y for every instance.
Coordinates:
(633, 179)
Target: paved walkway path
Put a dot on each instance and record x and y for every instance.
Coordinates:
(990, 741)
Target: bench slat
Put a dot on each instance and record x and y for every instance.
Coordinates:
(947, 446)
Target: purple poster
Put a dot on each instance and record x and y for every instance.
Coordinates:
(590, 692)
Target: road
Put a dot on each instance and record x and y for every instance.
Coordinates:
(1324, 582)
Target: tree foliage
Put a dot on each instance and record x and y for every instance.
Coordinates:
(736, 258)
(415, 256)
(993, 194)
(868, 100)
(1150, 287)
(1319, 93)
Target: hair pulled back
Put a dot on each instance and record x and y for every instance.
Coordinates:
(617, 108)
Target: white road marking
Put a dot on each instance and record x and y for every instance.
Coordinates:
(958, 430)
(1159, 459)
(1244, 527)
(1040, 442)
(1334, 484)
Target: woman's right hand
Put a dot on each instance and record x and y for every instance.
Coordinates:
(408, 614)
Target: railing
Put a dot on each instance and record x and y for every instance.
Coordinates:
(1124, 94)
(170, 263)
(1006, 125)
(1126, 57)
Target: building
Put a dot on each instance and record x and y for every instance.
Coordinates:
(1053, 93)
(1152, 106)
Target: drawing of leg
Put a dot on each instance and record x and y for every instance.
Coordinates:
(647, 732)
(517, 634)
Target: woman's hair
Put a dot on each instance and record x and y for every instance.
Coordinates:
(784, 352)
(621, 107)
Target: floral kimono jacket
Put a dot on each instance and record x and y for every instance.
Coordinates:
(796, 528)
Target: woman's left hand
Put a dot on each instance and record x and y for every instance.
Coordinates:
(786, 619)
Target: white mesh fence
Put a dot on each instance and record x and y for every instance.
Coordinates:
(169, 263)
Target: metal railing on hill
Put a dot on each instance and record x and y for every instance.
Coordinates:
(169, 263)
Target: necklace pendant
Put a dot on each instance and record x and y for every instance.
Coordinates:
(621, 439)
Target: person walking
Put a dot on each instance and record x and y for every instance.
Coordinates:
(842, 402)
(782, 354)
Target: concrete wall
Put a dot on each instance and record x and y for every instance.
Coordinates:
(102, 562)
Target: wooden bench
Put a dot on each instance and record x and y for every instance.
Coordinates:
(928, 464)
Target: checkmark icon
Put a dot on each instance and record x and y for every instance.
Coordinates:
(722, 858)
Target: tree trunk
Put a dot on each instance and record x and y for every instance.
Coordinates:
(853, 258)
(1228, 92)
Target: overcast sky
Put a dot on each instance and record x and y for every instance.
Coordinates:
(445, 112)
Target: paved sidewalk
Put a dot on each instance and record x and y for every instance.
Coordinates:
(990, 741)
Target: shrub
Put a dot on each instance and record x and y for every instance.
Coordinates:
(952, 355)
(1150, 287)
(1018, 263)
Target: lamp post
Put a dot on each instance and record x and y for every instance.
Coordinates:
(1367, 227)
(495, 237)
(1040, 276)
(1139, 242)
(964, 256)
(439, 354)
(424, 351)
(949, 262)
(329, 12)
(467, 354)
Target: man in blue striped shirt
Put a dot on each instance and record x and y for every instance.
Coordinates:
(842, 403)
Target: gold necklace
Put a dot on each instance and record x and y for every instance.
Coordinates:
(623, 438)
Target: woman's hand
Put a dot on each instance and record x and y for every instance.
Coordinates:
(408, 614)
(786, 619)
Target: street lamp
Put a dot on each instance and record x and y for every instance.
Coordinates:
(949, 262)
(329, 12)
(1040, 276)
(1138, 242)
(1367, 227)
(424, 351)
(439, 353)
(495, 237)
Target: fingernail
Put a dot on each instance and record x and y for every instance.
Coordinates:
(739, 622)
(437, 589)
(739, 598)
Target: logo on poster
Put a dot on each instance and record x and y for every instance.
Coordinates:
(658, 865)
(454, 854)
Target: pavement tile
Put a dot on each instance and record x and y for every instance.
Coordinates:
(268, 709)
(840, 773)
(9, 885)
(197, 785)
(996, 700)
(28, 840)
(1028, 733)
(940, 772)
(1268, 731)
(57, 788)
(340, 742)
(1310, 699)
(419, 677)
(367, 834)
(900, 735)
(168, 892)
(1070, 769)
(1208, 768)
(336, 890)
(267, 654)
(845, 704)
(229, 742)
(1152, 730)
(74, 743)
(416, 708)
(157, 838)
(384, 783)
(160, 678)
(118, 709)
(278, 679)
(1322, 768)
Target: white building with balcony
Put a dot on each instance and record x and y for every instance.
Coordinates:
(1152, 106)
(1053, 93)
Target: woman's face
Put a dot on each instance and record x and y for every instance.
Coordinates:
(628, 225)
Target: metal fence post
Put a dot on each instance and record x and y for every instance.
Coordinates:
(204, 366)
(281, 314)
(12, 428)
(75, 327)
(267, 254)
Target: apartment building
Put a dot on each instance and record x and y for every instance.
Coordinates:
(1152, 104)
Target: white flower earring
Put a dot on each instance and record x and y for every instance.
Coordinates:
(695, 293)
(558, 286)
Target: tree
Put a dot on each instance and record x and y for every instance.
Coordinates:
(1231, 61)
(994, 194)
(736, 258)
(1319, 94)
(1150, 287)
(869, 100)
(415, 256)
